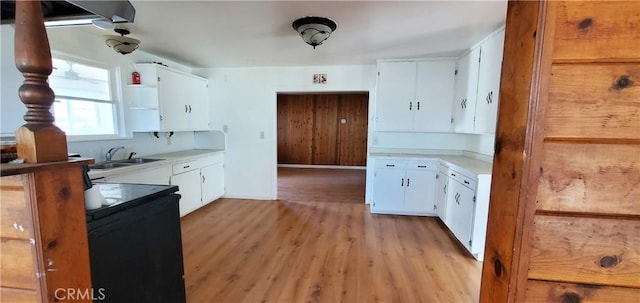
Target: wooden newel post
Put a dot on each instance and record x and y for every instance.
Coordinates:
(39, 140)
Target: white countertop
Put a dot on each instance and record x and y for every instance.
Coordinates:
(168, 158)
(464, 164)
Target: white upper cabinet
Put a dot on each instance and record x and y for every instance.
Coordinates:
(434, 92)
(414, 96)
(395, 96)
(168, 100)
(489, 84)
(477, 87)
(466, 86)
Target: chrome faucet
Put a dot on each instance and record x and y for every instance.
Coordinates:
(111, 152)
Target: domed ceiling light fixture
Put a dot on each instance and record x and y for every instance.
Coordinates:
(121, 44)
(314, 30)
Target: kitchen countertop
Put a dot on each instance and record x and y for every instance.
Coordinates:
(172, 157)
(462, 163)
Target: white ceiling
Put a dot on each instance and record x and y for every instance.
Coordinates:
(259, 33)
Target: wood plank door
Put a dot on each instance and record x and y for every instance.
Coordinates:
(295, 129)
(352, 134)
(323, 129)
(564, 217)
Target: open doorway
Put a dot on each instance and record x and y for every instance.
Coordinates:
(322, 146)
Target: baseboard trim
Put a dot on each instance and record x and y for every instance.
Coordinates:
(322, 166)
(249, 197)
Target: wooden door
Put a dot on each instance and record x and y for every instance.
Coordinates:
(325, 129)
(564, 217)
(352, 129)
(295, 129)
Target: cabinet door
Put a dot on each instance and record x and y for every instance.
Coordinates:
(388, 190)
(395, 99)
(466, 85)
(420, 189)
(199, 104)
(156, 176)
(189, 188)
(441, 195)
(173, 89)
(460, 200)
(212, 178)
(434, 94)
(489, 84)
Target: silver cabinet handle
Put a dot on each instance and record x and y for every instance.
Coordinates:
(410, 105)
(203, 179)
(390, 165)
(453, 174)
(189, 108)
(185, 108)
(418, 108)
(445, 189)
(422, 166)
(402, 184)
(466, 182)
(186, 166)
(408, 182)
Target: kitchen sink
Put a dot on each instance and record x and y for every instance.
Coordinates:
(122, 163)
(137, 160)
(108, 165)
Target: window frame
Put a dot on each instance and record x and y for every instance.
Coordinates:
(116, 98)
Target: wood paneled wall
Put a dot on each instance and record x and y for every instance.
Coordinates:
(564, 219)
(310, 129)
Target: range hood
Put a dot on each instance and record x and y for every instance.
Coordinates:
(76, 12)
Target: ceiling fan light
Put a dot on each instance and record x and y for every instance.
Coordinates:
(314, 30)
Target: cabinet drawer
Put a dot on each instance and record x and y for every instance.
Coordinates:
(390, 163)
(464, 180)
(428, 164)
(185, 166)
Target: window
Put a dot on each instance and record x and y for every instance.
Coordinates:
(85, 104)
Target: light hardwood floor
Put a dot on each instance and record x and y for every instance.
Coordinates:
(305, 248)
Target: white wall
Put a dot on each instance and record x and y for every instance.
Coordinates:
(481, 144)
(244, 100)
(78, 43)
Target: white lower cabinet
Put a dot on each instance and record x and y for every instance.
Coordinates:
(405, 187)
(189, 190)
(467, 206)
(441, 193)
(434, 187)
(212, 182)
(200, 181)
(460, 203)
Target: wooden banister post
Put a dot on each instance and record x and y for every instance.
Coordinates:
(39, 140)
